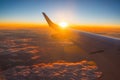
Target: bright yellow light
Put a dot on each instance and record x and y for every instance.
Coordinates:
(63, 24)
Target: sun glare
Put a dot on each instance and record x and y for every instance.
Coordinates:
(63, 24)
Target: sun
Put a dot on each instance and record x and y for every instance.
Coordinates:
(63, 24)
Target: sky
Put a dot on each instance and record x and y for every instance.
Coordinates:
(84, 12)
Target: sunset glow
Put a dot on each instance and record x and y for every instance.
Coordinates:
(77, 12)
(63, 24)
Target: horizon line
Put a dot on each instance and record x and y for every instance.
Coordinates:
(16, 24)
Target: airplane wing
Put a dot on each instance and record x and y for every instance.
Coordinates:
(105, 51)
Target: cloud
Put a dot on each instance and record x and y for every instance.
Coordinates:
(83, 70)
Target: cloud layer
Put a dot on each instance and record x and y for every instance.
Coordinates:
(83, 70)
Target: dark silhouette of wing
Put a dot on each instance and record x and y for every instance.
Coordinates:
(105, 50)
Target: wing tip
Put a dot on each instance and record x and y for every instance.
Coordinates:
(43, 13)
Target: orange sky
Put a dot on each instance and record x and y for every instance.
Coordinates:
(9, 25)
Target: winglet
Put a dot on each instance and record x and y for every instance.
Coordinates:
(47, 19)
(50, 23)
